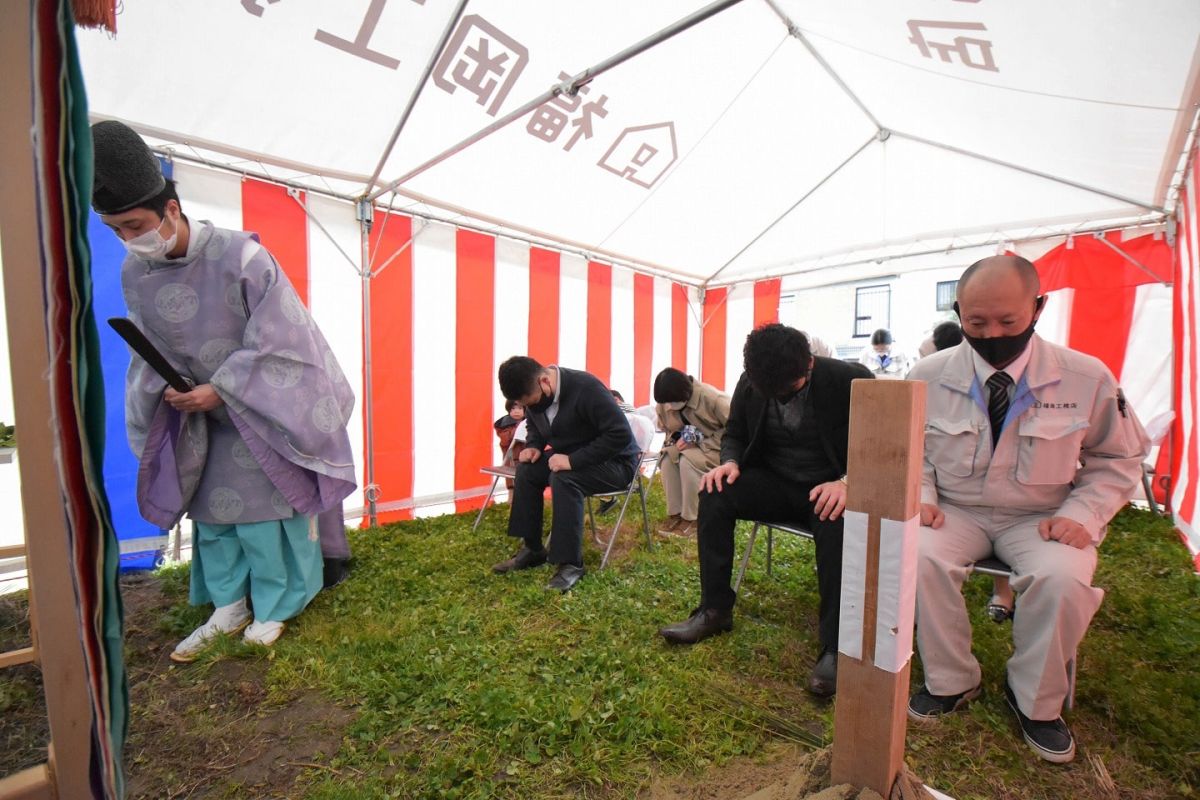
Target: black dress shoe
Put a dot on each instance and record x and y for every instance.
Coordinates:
(336, 570)
(522, 559)
(822, 681)
(703, 623)
(565, 578)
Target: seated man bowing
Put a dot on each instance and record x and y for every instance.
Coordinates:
(1030, 448)
(579, 443)
(783, 459)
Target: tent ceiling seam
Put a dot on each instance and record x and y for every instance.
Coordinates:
(412, 99)
(1030, 171)
(793, 207)
(795, 32)
(568, 87)
(679, 164)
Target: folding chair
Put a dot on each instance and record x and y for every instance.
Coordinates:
(636, 484)
(771, 528)
(1157, 430)
(506, 470)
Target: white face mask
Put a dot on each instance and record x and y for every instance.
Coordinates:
(151, 245)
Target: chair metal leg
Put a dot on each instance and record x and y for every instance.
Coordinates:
(645, 515)
(770, 546)
(1148, 488)
(612, 539)
(1071, 674)
(746, 558)
(486, 500)
(592, 520)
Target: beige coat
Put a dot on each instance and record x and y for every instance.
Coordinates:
(708, 410)
(1072, 447)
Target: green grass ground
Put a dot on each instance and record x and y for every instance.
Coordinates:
(463, 684)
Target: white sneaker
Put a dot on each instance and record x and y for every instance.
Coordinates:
(226, 619)
(264, 633)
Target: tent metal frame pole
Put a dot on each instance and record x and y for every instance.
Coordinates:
(295, 195)
(174, 155)
(794, 206)
(1029, 171)
(512, 230)
(236, 152)
(412, 100)
(1180, 143)
(569, 87)
(795, 32)
(366, 212)
(1104, 240)
(751, 277)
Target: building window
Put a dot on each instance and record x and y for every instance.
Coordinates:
(872, 309)
(945, 295)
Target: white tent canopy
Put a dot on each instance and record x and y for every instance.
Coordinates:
(773, 137)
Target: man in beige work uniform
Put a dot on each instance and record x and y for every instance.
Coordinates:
(1030, 448)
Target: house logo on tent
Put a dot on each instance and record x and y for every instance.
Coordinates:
(642, 154)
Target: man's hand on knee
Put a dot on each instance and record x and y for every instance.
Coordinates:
(529, 455)
(1067, 531)
(828, 499)
(717, 477)
(559, 462)
(931, 515)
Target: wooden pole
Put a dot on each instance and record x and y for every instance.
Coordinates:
(48, 558)
(887, 423)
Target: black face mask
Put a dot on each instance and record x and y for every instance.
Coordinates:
(543, 405)
(999, 351)
(787, 395)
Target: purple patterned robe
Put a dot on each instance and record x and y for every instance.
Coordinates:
(226, 314)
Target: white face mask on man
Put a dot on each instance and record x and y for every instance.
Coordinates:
(151, 246)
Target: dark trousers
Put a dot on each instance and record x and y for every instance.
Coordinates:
(763, 495)
(568, 489)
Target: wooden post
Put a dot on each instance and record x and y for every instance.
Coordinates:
(887, 423)
(48, 559)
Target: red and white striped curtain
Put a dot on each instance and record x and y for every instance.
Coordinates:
(447, 306)
(1185, 460)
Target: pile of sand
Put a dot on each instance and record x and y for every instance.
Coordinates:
(810, 781)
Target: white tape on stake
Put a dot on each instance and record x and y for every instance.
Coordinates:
(897, 592)
(854, 584)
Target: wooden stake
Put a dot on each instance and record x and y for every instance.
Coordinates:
(887, 423)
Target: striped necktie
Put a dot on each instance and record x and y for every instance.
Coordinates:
(998, 402)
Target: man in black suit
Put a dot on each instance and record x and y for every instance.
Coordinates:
(578, 443)
(783, 459)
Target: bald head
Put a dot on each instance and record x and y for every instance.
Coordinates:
(1000, 268)
(997, 297)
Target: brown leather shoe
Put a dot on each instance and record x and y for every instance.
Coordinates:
(522, 559)
(703, 623)
(670, 524)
